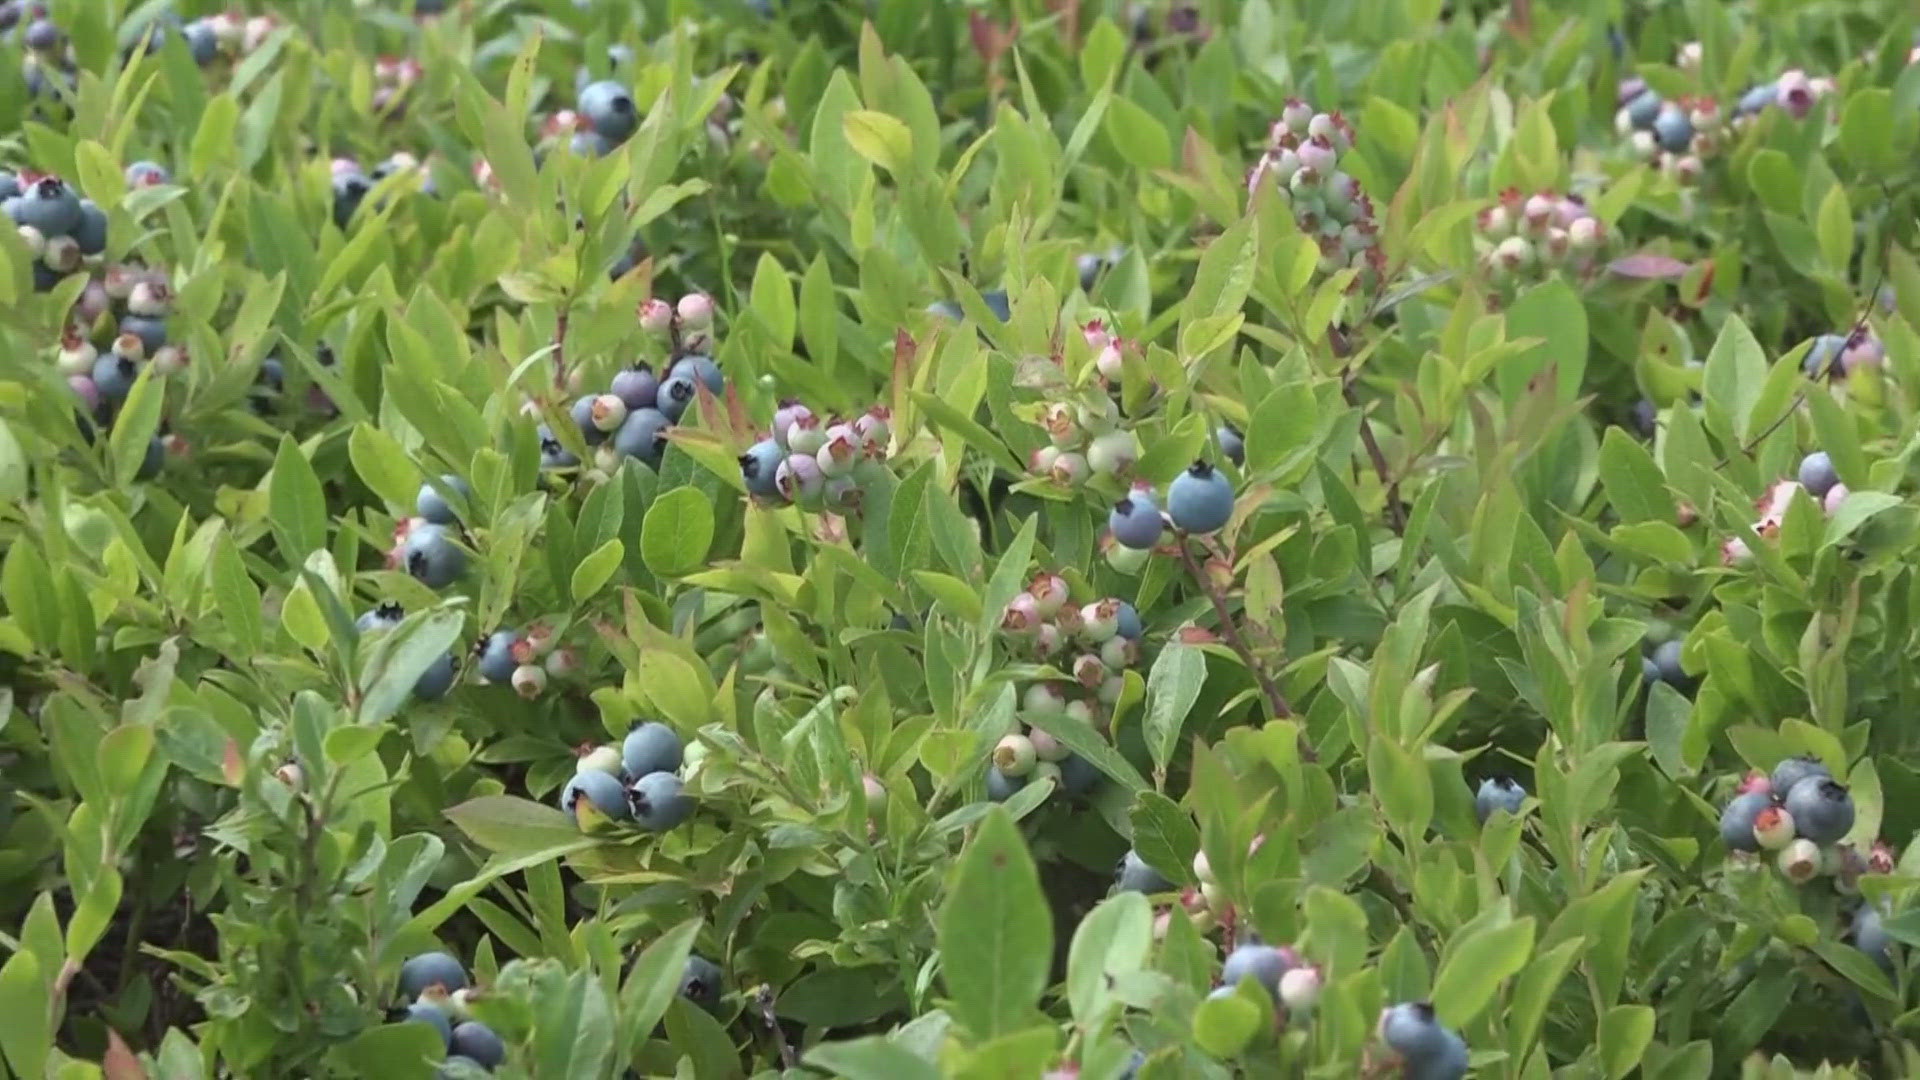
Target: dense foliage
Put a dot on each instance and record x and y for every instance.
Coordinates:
(976, 538)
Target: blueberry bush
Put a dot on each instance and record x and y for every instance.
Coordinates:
(899, 539)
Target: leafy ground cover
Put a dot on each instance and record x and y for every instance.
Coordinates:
(984, 539)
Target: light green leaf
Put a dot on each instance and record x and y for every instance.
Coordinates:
(995, 932)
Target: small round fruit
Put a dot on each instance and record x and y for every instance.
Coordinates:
(650, 748)
(582, 414)
(1300, 987)
(432, 557)
(436, 681)
(1793, 770)
(760, 468)
(424, 1012)
(431, 969)
(1014, 756)
(433, 505)
(1077, 775)
(1871, 937)
(1200, 500)
(1773, 828)
(1233, 446)
(529, 680)
(497, 663)
(677, 394)
(1738, 819)
(1817, 474)
(703, 983)
(609, 109)
(1135, 875)
(604, 791)
(701, 369)
(1135, 521)
(643, 435)
(1262, 963)
(604, 759)
(799, 479)
(660, 801)
(1498, 793)
(49, 205)
(1801, 861)
(1822, 809)
(113, 377)
(1412, 1031)
(637, 386)
(1001, 787)
(477, 1041)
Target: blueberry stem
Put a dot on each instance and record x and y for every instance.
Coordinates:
(1276, 701)
(763, 998)
(560, 351)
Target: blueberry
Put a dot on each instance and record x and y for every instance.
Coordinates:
(49, 205)
(701, 368)
(43, 35)
(1665, 666)
(582, 413)
(1817, 475)
(650, 748)
(424, 1012)
(1135, 521)
(1756, 99)
(432, 557)
(433, 505)
(431, 969)
(202, 43)
(1000, 786)
(590, 144)
(1233, 446)
(1127, 622)
(660, 801)
(1412, 1031)
(272, 374)
(113, 377)
(1134, 875)
(676, 394)
(1077, 776)
(1088, 266)
(349, 191)
(1498, 793)
(1870, 937)
(1449, 1064)
(760, 468)
(702, 983)
(434, 682)
(553, 453)
(151, 332)
(1823, 358)
(152, 460)
(1793, 770)
(497, 661)
(1673, 129)
(477, 1041)
(1822, 808)
(1643, 110)
(643, 435)
(609, 109)
(1200, 500)
(1262, 963)
(91, 232)
(637, 386)
(607, 794)
(946, 309)
(1736, 821)
(385, 617)
(996, 301)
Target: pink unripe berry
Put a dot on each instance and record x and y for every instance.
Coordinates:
(1119, 653)
(1096, 335)
(1773, 828)
(1836, 495)
(291, 775)
(84, 389)
(1735, 552)
(1300, 987)
(1046, 747)
(839, 450)
(1022, 615)
(151, 299)
(1100, 620)
(1088, 671)
(1512, 253)
(1047, 640)
(1584, 233)
(1297, 115)
(799, 478)
(1494, 223)
(76, 356)
(608, 412)
(1069, 468)
(805, 436)
(562, 663)
(1041, 699)
(695, 311)
(1539, 210)
(62, 254)
(1060, 425)
(1319, 155)
(1109, 362)
(656, 316)
(874, 429)
(172, 360)
(1049, 592)
(130, 346)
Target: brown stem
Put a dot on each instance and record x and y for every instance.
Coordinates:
(1276, 701)
(560, 351)
(1396, 516)
(764, 999)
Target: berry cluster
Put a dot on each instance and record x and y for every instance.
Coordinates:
(1675, 135)
(1816, 479)
(632, 418)
(815, 466)
(434, 990)
(352, 182)
(1199, 500)
(1302, 163)
(101, 381)
(1800, 813)
(523, 659)
(603, 116)
(637, 782)
(425, 545)
(1045, 624)
(1528, 237)
(1084, 436)
(62, 230)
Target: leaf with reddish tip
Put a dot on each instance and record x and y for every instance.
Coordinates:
(1647, 265)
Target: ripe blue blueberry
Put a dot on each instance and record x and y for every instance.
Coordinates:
(1498, 793)
(1870, 937)
(151, 331)
(643, 435)
(1817, 475)
(432, 557)
(650, 748)
(1412, 1031)
(1077, 776)
(1262, 963)
(1643, 110)
(702, 983)
(582, 414)
(609, 109)
(660, 801)
(1663, 665)
(478, 1042)
(10, 183)
(1000, 786)
(434, 682)
(760, 468)
(1673, 129)
(49, 205)
(1127, 622)
(152, 461)
(497, 661)
(424, 1012)
(702, 369)
(637, 386)
(1088, 266)
(349, 191)
(1134, 875)
(1200, 500)
(996, 301)
(1823, 357)
(431, 969)
(1821, 807)
(947, 309)
(433, 505)
(553, 453)
(202, 43)
(1737, 820)
(607, 794)
(91, 231)
(590, 144)
(677, 393)
(1793, 770)
(1449, 1064)
(1756, 99)
(1135, 521)
(385, 617)
(43, 35)
(113, 377)
(1233, 446)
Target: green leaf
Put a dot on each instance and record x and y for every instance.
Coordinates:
(1402, 784)
(213, 141)
(394, 665)
(1114, 939)
(772, 300)
(597, 568)
(1625, 1032)
(1225, 274)
(296, 504)
(1140, 138)
(1223, 1026)
(383, 465)
(1079, 736)
(654, 981)
(879, 138)
(134, 427)
(872, 1058)
(26, 1028)
(1866, 126)
(1634, 483)
(1475, 967)
(1736, 374)
(1834, 228)
(1173, 685)
(1551, 312)
(1164, 836)
(995, 933)
(676, 533)
(511, 826)
(1853, 512)
(392, 1050)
